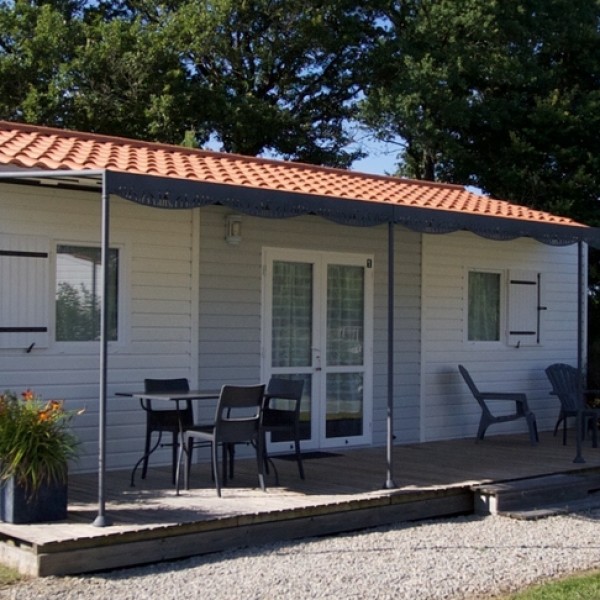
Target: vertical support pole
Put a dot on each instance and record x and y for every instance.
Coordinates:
(389, 481)
(101, 519)
(581, 294)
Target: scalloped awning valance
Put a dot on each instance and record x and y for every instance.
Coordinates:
(163, 192)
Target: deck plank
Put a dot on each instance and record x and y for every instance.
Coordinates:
(340, 492)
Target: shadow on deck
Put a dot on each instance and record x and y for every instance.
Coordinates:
(343, 491)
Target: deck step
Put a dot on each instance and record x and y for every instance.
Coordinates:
(591, 502)
(537, 493)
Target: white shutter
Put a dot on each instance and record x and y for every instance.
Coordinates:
(24, 266)
(523, 308)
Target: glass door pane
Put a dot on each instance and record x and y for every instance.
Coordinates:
(281, 404)
(344, 416)
(291, 331)
(345, 351)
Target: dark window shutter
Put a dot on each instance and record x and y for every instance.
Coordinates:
(24, 266)
(523, 308)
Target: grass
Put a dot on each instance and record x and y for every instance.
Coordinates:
(8, 576)
(578, 587)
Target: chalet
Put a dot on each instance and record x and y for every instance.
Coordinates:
(230, 269)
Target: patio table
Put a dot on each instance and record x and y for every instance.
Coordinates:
(177, 398)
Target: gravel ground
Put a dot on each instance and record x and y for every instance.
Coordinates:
(467, 557)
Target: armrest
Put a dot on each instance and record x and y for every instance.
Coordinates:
(515, 397)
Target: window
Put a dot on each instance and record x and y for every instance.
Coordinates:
(484, 306)
(78, 293)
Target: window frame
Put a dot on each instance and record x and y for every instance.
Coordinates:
(121, 296)
(502, 307)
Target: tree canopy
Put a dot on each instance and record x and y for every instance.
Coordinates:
(256, 76)
(501, 95)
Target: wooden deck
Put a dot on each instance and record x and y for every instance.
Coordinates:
(341, 492)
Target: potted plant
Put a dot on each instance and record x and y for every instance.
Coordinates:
(36, 444)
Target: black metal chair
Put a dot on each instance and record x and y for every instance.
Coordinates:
(237, 421)
(281, 415)
(488, 418)
(567, 386)
(165, 420)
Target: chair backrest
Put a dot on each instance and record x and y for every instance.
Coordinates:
(238, 413)
(289, 390)
(469, 381)
(168, 385)
(565, 384)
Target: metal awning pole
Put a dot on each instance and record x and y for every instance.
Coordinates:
(389, 481)
(581, 294)
(101, 519)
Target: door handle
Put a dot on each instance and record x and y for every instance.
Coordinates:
(317, 358)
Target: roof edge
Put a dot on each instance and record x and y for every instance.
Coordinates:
(106, 138)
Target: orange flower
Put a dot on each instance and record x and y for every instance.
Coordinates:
(55, 405)
(44, 415)
(28, 395)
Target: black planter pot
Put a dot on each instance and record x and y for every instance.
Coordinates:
(17, 505)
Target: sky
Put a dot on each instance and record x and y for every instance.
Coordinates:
(377, 163)
(381, 159)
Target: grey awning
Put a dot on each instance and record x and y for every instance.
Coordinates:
(181, 194)
(174, 193)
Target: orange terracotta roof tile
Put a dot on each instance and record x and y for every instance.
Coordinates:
(34, 147)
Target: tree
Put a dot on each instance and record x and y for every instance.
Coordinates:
(125, 79)
(36, 40)
(280, 77)
(500, 95)
(275, 76)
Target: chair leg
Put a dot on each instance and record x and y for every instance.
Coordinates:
(146, 454)
(533, 432)
(483, 425)
(266, 459)
(215, 466)
(175, 450)
(557, 425)
(231, 451)
(226, 449)
(593, 425)
(178, 471)
(189, 455)
(260, 461)
(298, 453)
(265, 454)
(188, 464)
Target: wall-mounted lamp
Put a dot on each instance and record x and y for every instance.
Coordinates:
(233, 229)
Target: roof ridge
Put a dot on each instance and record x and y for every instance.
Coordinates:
(102, 137)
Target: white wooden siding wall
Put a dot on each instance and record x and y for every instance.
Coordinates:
(230, 303)
(448, 409)
(191, 308)
(157, 333)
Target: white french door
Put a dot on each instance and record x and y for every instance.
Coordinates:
(317, 325)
